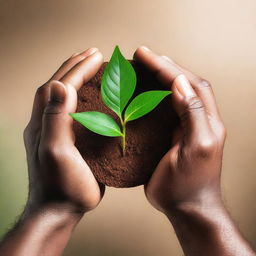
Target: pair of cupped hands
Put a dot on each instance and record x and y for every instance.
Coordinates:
(187, 176)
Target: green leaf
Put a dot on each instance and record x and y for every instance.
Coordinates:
(98, 122)
(118, 82)
(143, 104)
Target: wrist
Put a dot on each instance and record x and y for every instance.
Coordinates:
(204, 204)
(204, 216)
(207, 229)
(43, 230)
(59, 214)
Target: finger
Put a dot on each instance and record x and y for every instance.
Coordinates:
(56, 123)
(82, 72)
(165, 72)
(71, 62)
(203, 89)
(187, 103)
(40, 100)
(191, 111)
(42, 93)
(57, 148)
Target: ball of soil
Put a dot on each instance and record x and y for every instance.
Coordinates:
(147, 138)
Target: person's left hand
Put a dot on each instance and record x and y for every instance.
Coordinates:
(189, 173)
(58, 175)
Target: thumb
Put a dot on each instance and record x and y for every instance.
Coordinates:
(190, 109)
(56, 123)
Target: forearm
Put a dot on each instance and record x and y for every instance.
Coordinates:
(44, 231)
(208, 230)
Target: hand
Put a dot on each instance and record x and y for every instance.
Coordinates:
(189, 173)
(58, 175)
(186, 183)
(61, 186)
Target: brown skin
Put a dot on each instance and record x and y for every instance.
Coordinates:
(61, 186)
(185, 185)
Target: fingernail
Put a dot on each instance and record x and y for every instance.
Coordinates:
(145, 48)
(183, 86)
(57, 91)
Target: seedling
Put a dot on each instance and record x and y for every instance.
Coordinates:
(117, 87)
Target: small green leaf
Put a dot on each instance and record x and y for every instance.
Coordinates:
(144, 103)
(118, 82)
(98, 122)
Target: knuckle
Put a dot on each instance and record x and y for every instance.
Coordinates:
(30, 137)
(204, 83)
(206, 147)
(26, 132)
(191, 104)
(30, 132)
(47, 152)
(54, 107)
(222, 133)
(194, 103)
(42, 89)
(51, 152)
(201, 83)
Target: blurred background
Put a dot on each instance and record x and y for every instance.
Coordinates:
(215, 39)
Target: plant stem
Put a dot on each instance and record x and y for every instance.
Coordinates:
(124, 135)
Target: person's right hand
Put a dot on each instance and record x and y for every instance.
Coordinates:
(190, 172)
(58, 175)
(61, 185)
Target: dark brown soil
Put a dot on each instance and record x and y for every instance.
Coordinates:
(148, 138)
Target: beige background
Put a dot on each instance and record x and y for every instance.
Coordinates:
(215, 39)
